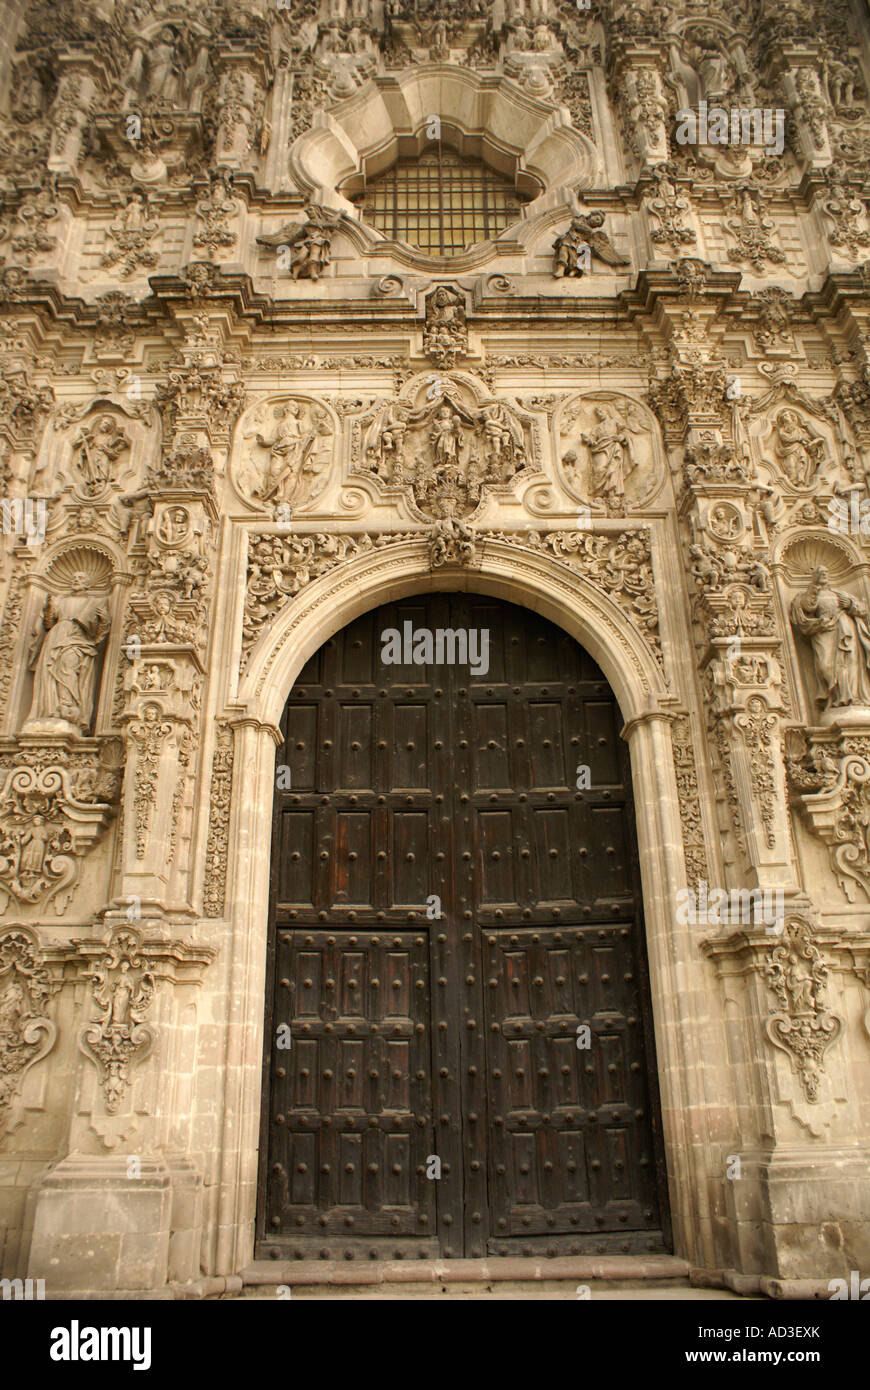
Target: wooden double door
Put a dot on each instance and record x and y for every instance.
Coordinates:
(459, 1053)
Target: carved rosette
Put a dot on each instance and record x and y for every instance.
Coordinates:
(26, 1033)
(802, 1026)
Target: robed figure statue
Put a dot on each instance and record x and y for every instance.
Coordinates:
(64, 654)
(839, 634)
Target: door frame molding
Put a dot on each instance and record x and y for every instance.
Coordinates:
(561, 595)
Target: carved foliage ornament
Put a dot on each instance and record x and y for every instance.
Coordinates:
(123, 987)
(45, 830)
(26, 1034)
(802, 1026)
(619, 565)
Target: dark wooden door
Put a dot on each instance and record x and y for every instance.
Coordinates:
(437, 1096)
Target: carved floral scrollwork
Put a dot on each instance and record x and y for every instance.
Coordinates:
(26, 1034)
(802, 1025)
(123, 987)
(831, 782)
(759, 729)
(149, 734)
(219, 820)
(45, 830)
(620, 565)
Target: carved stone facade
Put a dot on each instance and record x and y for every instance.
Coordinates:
(235, 414)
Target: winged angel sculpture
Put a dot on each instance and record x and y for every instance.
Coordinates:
(574, 249)
(309, 242)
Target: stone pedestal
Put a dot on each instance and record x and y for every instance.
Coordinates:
(102, 1224)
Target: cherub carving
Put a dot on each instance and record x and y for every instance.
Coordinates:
(309, 243)
(584, 234)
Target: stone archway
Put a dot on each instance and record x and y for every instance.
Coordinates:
(536, 581)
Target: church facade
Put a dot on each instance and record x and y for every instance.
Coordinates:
(434, 639)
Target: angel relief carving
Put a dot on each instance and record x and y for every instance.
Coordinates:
(607, 452)
(287, 452)
(95, 453)
(574, 249)
(447, 448)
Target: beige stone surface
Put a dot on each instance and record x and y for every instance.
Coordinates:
(152, 337)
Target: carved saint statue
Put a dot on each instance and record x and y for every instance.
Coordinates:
(839, 634)
(799, 450)
(584, 236)
(288, 448)
(63, 656)
(95, 452)
(609, 445)
(446, 437)
(159, 72)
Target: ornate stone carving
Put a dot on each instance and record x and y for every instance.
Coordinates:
(848, 214)
(671, 208)
(164, 72)
(802, 1026)
(308, 244)
(286, 463)
(214, 210)
(445, 336)
(64, 656)
(95, 452)
(773, 330)
(49, 818)
(838, 630)
(451, 542)
(26, 1033)
(123, 987)
(752, 230)
(220, 788)
(447, 450)
(611, 461)
(23, 406)
(574, 249)
(279, 567)
(694, 844)
(149, 733)
(760, 731)
(831, 783)
(619, 564)
(130, 236)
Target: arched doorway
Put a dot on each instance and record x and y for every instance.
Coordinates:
(456, 951)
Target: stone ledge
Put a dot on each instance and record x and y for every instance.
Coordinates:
(620, 1267)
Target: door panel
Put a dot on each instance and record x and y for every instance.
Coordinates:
(422, 1043)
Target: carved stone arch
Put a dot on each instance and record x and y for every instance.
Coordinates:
(505, 571)
(535, 580)
(491, 116)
